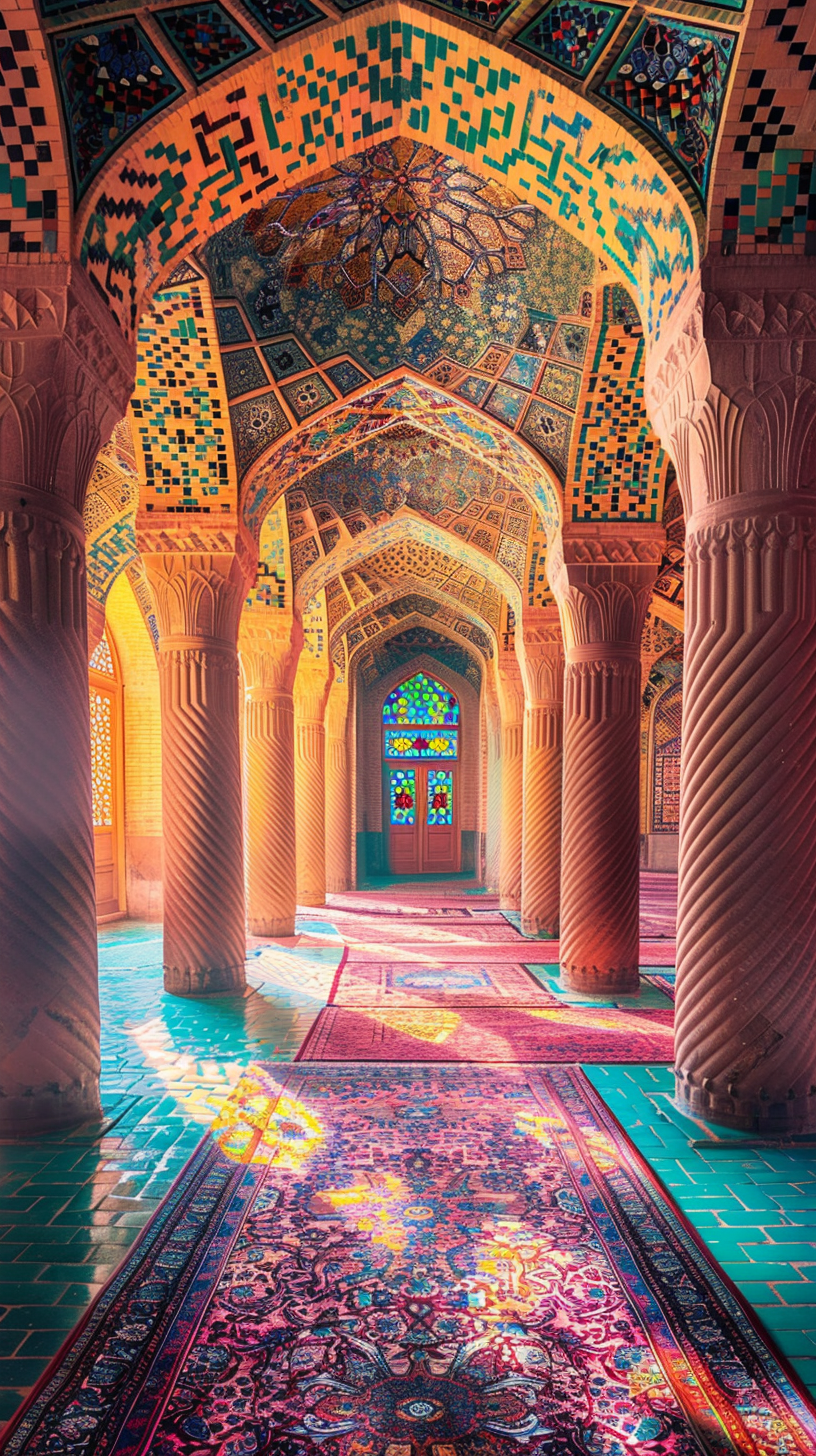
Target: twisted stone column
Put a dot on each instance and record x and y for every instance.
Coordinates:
(543, 667)
(269, 744)
(310, 791)
(198, 599)
(512, 785)
(733, 391)
(64, 382)
(338, 792)
(603, 588)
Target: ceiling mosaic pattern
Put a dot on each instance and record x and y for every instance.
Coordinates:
(180, 177)
(207, 38)
(572, 34)
(375, 660)
(397, 599)
(398, 256)
(110, 514)
(619, 466)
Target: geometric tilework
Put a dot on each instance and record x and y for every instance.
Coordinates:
(269, 589)
(243, 372)
(672, 79)
(282, 18)
(305, 396)
(619, 463)
(346, 377)
(112, 79)
(206, 38)
(256, 424)
(180, 420)
(571, 33)
(285, 358)
(29, 173)
(231, 326)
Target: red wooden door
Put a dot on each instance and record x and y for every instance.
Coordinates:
(422, 809)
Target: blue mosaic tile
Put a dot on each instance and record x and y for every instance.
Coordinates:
(571, 34)
(284, 17)
(474, 388)
(672, 79)
(346, 377)
(243, 372)
(285, 358)
(256, 424)
(112, 79)
(571, 343)
(506, 404)
(231, 326)
(522, 369)
(206, 37)
(549, 429)
(305, 396)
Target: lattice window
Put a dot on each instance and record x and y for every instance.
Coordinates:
(101, 659)
(102, 758)
(666, 772)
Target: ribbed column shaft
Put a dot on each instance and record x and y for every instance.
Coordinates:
(49, 1021)
(746, 938)
(270, 766)
(512, 812)
(310, 810)
(204, 918)
(338, 815)
(541, 827)
(601, 840)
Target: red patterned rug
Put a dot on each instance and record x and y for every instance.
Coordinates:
(495, 1034)
(418, 983)
(425, 1261)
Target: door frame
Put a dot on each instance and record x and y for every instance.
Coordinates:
(421, 767)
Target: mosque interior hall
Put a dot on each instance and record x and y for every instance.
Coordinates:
(407, 728)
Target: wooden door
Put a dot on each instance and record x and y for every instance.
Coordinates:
(423, 819)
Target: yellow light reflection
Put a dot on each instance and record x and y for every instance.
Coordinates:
(426, 1024)
(260, 1123)
(605, 1020)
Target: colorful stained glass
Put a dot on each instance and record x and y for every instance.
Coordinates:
(440, 797)
(402, 787)
(404, 743)
(423, 701)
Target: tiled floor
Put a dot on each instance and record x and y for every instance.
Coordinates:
(754, 1206)
(71, 1206)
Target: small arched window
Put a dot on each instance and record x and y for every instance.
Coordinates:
(421, 720)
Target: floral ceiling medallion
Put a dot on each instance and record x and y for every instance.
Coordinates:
(399, 226)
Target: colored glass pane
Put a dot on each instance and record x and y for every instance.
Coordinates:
(423, 701)
(101, 760)
(101, 660)
(407, 743)
(440, 797)
(402, 786)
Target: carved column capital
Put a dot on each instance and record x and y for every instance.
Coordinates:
(66, 375)
(269, 650)
(198, 596)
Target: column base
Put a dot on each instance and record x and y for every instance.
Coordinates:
(794, 1115)
(530, 925)
(204, 980)
(591, 981)
(272, 929)
(47, 1112)
(312, 902)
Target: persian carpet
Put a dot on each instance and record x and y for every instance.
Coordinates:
(437, 1262)
(494, 1034)
(664, 980)
(406, 983)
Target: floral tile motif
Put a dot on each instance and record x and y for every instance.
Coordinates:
(506, 404)
(112, 79)
(560, 385)
(346, 377)
(283, 17)
(672, 78)
(256, 424)
(571, 343)
(473, 388)
(206, 37)
(549, 430)
(231, 326)
(305, 396)
(571, 34)
(522, 369)
(243, 372)
(285, 358)
(538, 333)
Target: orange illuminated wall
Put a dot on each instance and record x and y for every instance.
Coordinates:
(107, 779)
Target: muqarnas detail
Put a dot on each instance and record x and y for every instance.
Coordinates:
(206, 37)
(112, 79)
(571, 36)
(672, 78)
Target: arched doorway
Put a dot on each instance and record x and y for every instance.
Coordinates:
(107, 786)
(664, 818)
(421, 748)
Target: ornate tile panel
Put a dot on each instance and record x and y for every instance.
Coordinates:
(207, 38)
(571, 34)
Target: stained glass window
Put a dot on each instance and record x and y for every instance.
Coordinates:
(407, 743)
(101, 660)
(101, 759)
(402, 785)
(421, 701)
(440, 796)
(667, 736)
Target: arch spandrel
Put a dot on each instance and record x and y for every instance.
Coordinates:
(200, 165)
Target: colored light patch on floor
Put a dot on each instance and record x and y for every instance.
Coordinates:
(434, 1261)
(497, 1034)
(408, 984)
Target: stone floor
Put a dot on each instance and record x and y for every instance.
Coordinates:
(71, 1206)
